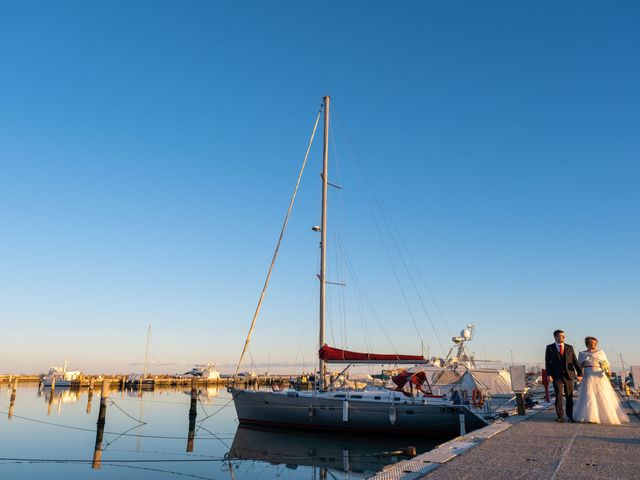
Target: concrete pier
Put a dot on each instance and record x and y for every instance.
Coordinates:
(531, 447)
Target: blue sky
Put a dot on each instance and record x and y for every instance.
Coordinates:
(148, 151)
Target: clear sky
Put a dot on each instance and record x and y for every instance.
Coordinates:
(148, 151)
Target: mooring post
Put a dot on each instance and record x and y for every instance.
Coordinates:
(51, 394)
(193, 412)
(102, 415)
(90, 394)
(12, 401)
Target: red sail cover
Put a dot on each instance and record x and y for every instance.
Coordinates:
(336, 355)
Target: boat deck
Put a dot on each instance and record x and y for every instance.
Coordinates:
(531, 447)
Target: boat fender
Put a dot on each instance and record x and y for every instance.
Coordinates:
(345, 411)
(311, 411)
(477, 398)
(392, 415)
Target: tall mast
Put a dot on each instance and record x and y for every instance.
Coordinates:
(323, 242)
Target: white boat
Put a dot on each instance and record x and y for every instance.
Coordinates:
(409, 410)
(204, 371)
(462, 372)
(61, 376)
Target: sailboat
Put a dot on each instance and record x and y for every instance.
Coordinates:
(417, 412)
(142, 381)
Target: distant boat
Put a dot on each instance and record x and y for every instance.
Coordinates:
(61, 376)
(205, 372)
(137, 380)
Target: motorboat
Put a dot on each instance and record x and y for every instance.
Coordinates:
(60, 376)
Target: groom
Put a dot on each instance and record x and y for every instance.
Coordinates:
(563, 369)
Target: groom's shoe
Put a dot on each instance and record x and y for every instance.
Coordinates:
(572, 420)
(559, 420)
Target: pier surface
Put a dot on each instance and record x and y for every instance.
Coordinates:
(536, 448)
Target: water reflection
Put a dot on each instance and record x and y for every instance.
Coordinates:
(60, 396)
(12, 401)
(102, 415)
(149, 431)
(193, 412)
(337, 454)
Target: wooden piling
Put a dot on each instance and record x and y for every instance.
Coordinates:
(51, 395)
(12, 401)
(102, 414)
(193, 412)
(90, 394)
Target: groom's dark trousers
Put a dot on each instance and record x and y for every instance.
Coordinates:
(560, 386)
(564, 369)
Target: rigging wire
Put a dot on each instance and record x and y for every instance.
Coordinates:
(307, 321)
(133, 418)
(397, 277)
(217, 437)
(424, 282)
(336, 223)
(380, 204)
(330, 315)
(275, 254)
(212, 414)
(365, 299)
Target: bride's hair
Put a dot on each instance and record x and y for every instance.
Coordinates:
(588, 339)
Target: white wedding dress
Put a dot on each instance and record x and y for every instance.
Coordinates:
(597, 401)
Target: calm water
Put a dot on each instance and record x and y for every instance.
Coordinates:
(146, 435)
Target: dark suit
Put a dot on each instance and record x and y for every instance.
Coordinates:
(564, 369)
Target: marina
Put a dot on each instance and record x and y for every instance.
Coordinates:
(172, 431)
(191, 429)
(372, 240)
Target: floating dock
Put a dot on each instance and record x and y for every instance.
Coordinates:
(532, 447)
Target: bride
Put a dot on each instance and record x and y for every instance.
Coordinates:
(597, 401)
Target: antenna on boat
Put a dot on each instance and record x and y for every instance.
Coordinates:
(323, 242)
